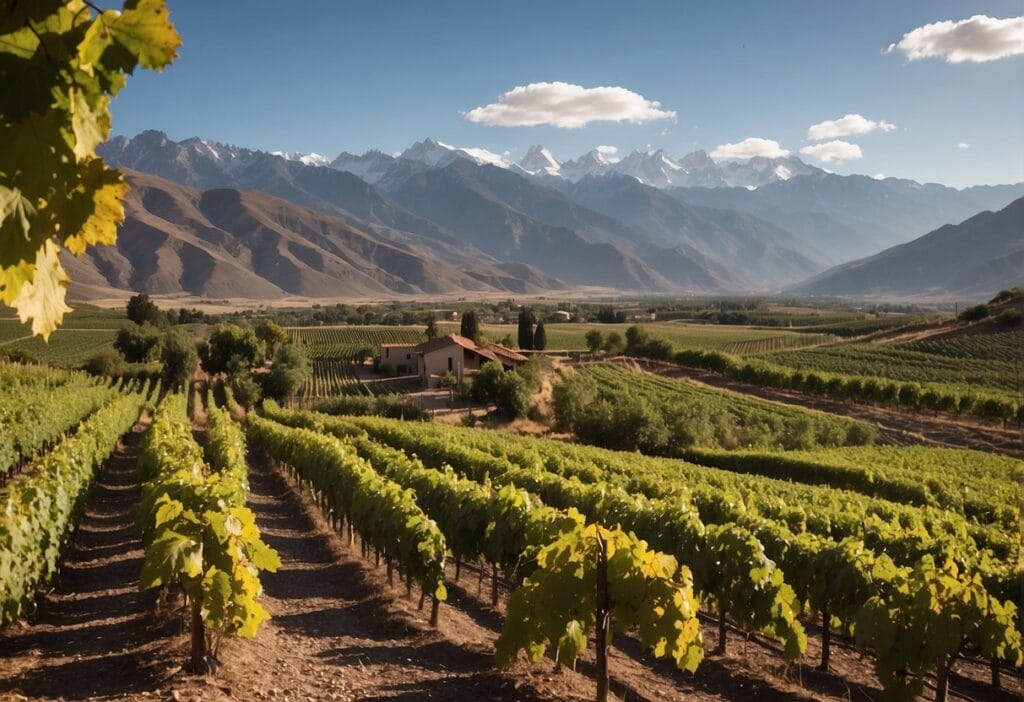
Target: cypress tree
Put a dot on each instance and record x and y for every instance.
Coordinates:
(470, 327)
(525, 329)
(540, 337)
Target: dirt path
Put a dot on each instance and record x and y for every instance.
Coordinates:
(896, 427)
(93, 634)
(338, 632)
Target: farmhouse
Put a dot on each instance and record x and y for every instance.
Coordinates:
(399, 359)
(432, 359)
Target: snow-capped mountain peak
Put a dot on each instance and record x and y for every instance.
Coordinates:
(539, 160)
(310, 159)
(371, 166)
(437, 154)
(652, 167)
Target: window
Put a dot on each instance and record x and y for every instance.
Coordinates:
(408, 356)
(449, 363)
(387, 353)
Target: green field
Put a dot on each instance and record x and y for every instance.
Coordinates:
(67, 347)
(571, 336)
(342, 343)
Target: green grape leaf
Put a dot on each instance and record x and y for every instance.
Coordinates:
(572, 642)
(169, 556)
(216, 597)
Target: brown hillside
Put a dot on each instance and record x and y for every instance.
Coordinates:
(231, 243)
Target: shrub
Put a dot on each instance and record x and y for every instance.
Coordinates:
(1008, 318)
(107, 362)
(391, 406)
(973, 314)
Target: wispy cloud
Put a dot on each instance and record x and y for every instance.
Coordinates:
(977, 39)
(847, 126)
(963, 145)
(568, 106)
(833, 151)
(748, 148)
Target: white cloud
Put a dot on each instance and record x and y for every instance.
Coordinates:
(879, 176)
(833, 151)
(978, 39)
(846, 126)
(748, 148)
(607, 150)
(568, 106)
(963, 145)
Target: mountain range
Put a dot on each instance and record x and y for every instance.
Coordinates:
(970, 260)
(647, 223)
(224, 243)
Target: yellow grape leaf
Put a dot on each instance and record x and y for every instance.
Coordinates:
(89, 123)
(145, 29)
(12, 278)
(102, 190)
(97, 39)
(42, 299)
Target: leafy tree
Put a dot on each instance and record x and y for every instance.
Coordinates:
(290, 370)
(513, 397)
(431, 331)
(245, 390)
(271, 335)
(62, 63)
(608, 315)
(178, 354)
(636, 340)
(142, 310)
(526, 322)
(507, 389)
(485, 384)
(540, 337)
(470, 326)
(137, 344)
(227, 342)
(594, 340)
(613, 343)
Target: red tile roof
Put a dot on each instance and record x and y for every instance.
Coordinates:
(453, 340)
(505, 352)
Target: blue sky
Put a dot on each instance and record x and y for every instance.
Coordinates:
(328, 76)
